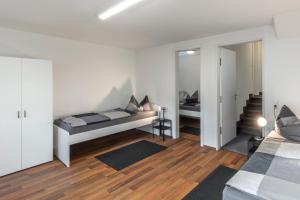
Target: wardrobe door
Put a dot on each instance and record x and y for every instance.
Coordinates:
(37, 134)
(10, 119)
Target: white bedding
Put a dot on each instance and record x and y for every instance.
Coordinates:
(188, 113)
(116, 114)
(74, 122)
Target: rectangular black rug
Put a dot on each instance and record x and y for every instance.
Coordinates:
(128, 155)
(191, 130)
(212, 186)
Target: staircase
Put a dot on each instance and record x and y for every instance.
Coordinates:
(248, 120)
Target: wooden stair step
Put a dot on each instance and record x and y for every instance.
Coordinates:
(252, 111)
(252, 122)
(254, 102)
(243, 126)
(256, 97)
(253, 107)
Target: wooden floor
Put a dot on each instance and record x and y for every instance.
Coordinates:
(170, 174)
(185, 121)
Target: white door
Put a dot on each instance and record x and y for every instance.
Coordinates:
(10, 120)
(227, 93)
(37, 137)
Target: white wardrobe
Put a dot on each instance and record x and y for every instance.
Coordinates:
(26, 135)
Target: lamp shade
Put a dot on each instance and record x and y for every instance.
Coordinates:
(159, 108)
(262, 122)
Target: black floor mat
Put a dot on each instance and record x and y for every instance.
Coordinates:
(128, 155)
(212, 186)
(191, 130)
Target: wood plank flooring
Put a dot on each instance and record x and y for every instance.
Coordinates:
(170, 174)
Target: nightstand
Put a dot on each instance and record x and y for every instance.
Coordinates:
(253, 145)
(162, 125)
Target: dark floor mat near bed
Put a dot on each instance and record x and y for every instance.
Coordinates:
(212, 186)
(128, 155)
(191, 130)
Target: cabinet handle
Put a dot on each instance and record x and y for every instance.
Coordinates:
(25, 113)
(19, 114)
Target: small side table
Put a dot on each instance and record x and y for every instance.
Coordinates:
(162, 125)
(253, 146)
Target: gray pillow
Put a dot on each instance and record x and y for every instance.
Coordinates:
(183, 95)
(195, 95)
(133, 105)
(145, 103)
(288, 124)
(193, 98)
(287, 121)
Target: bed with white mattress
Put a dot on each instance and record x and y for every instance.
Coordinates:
(191, 110)
(84, 127)
(272, 172)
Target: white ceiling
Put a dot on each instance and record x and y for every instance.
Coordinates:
(153, 22)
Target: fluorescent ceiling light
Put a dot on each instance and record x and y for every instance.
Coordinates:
(190, 52)
(118, 8)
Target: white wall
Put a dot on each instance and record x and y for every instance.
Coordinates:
(157, 66)
(210, 54)
(92, 77)
(281, 74)
(257, 63)
(87, 77)
(156, 78)
(189, 73)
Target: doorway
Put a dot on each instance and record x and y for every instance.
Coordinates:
(188, 89)
(240, 94)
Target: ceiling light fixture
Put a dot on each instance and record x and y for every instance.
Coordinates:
(118, 8)
(190, 52)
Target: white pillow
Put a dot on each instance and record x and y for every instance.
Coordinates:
(116, 114)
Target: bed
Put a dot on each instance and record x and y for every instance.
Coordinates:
(191, 110)
(80, 128)
(272, 172)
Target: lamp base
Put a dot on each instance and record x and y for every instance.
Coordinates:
(258, 138)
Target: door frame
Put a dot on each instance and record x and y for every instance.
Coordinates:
(263, 83)
(177, 91)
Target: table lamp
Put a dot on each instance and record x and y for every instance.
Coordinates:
(262, 122)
